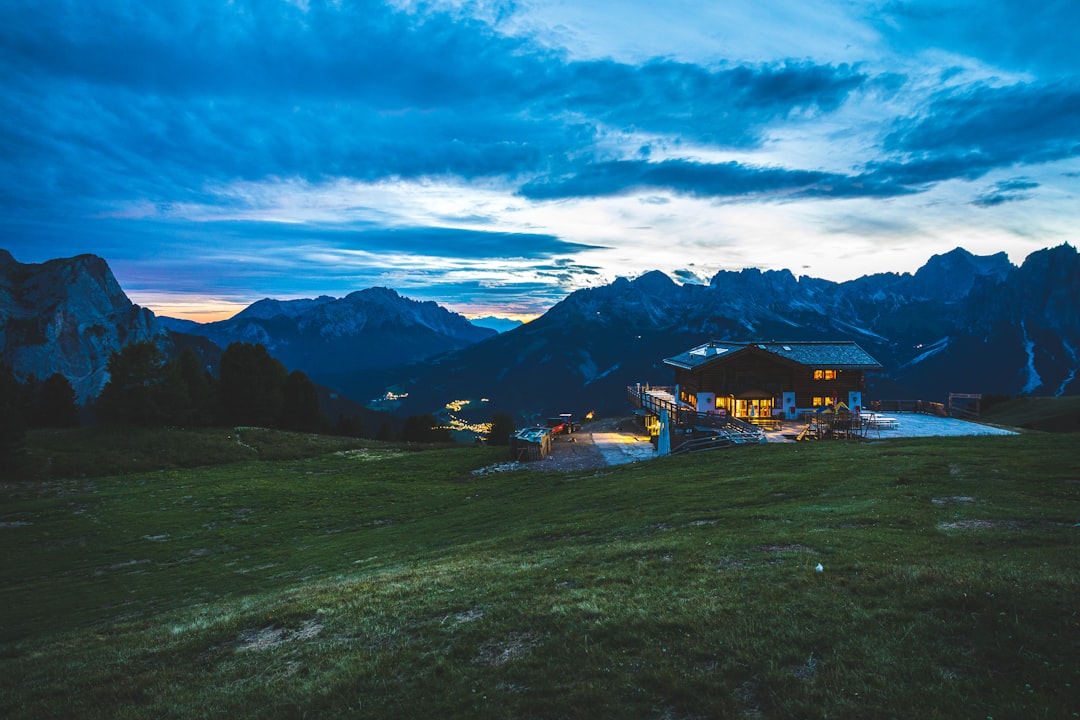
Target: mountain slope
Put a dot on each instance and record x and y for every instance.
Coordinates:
(367, 329)
(961, 323)
(67, 316)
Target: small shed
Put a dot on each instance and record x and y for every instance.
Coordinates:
(529, 444)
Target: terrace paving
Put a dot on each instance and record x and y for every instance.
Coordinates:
(620, 441)
(907, 425)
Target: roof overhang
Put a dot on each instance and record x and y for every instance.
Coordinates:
(842, 355)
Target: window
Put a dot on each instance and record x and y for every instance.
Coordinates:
(825, 374)
(822, 402)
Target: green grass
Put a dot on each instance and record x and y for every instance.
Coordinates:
(377, 582)
(97, 451)
(1050, 414)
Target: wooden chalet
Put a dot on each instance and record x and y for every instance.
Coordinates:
(771, 380)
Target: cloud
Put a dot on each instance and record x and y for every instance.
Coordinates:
(1012, 34)
(1006, 191)
(162, 101)
(705, 180)
(688, 276)
(277, 147)
(420, 241)
(728, 106)
(967, 132)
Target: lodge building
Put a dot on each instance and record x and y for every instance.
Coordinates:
(771, 379)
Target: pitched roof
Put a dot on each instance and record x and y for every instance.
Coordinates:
(843, 355)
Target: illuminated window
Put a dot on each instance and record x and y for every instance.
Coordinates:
(824, 374)
(822, 401)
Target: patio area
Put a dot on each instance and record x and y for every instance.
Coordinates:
(901, 425)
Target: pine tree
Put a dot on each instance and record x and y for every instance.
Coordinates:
(252, 385)
(300, 406)
(56, 405)
(12, 434)
(134, 393)
(502, 427)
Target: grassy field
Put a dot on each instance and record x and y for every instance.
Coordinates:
(279, 576)
(1057, 414)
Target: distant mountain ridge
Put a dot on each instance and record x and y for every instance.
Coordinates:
(961, 323)
(69, 315)
(372, 328)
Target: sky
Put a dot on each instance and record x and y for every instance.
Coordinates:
(495, 156)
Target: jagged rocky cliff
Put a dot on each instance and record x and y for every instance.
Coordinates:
(67, 316)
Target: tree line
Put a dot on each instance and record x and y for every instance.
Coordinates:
(145, 388)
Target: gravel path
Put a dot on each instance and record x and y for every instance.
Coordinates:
(612, 441)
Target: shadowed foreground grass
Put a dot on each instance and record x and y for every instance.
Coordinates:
(371, 581)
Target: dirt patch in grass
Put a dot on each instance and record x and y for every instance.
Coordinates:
(981, 525)
(781, 549)
(512, 647)
(466, 616)
(955, 500)
(272, 635)
(806, 671)
(369, 454)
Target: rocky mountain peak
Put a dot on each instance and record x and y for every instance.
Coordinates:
(950, 277)
(68, 316)
(269, 308)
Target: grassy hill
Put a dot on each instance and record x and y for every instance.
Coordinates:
(1050, 414)
(291, 576)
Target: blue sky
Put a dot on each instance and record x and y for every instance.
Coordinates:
(495, 156)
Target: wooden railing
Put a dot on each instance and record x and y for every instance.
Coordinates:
(653, 400)
(711, 442)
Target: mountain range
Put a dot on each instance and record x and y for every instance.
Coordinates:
(961, 323)
(69, 315)
(367, 329)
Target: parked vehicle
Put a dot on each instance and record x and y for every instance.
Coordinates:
(558, 425)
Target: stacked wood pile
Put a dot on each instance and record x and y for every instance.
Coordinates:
(530, 444)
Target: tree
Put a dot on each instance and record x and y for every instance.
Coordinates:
(13, 392)
(300, 405)
(12, 433)
(12, 424)
(56, 406)
(188, 391)
(352, 426)
(134, 394)
(252, 385)
(424, 428)
(385, 433)
(502, 427)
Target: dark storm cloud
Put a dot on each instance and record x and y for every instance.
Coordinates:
(729, 106)
(161, 102)
(967, 133)
(711, 180)
(431, 241)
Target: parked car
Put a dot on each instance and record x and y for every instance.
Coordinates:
(558, 425)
